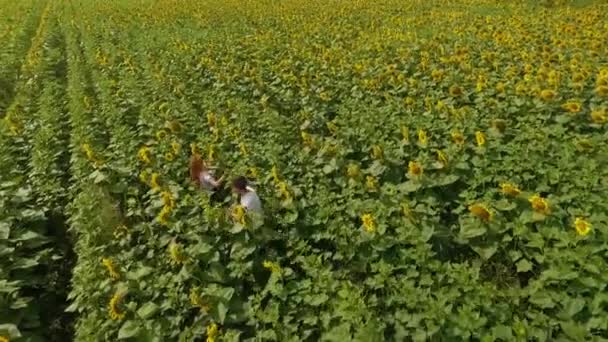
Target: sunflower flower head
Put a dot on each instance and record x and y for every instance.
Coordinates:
(239, 214)
(274, 172)
(161, 135)
(457, 138)
(252, 172)
(211, 154)
(109, 264)
(175, 147)
(602, 90)
(414, 169)
(168, 200)
(163, 216)
(572, 106)
(144, 155)
(332, 127)
(422, 137)
(243, 148)
(455, 91)
(212, 332)
(176, 253)
(143, 177)
(509, 189)
(599, 116)
(272, 266)
(480, 137)
(377, 152)
(353, 171)
(369, 225)
(194, 149)
(307, 139)
(539, 204)
(442, 157)
(582, 226)
(371, 183)
(481, 211)
(407, 211)
(405, 134)
(116, 313)
(284, 190)
(154, 181)
(211, 119)
(547, 95)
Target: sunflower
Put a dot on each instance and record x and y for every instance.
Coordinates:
(405, 134)
(116, 312)
(599, 116)
(455, 91)
(175, 147)
(109, 264)
(144, 155)
(442, 157)
(239, 214)
(547, 95)
(457, 138)
(176, 253)
(500, 87)
(196, 301)
(481, 211)
(163, 216)
(212, 332)
(154, 181)
(582, 226)
(160, 135)
(422, 137)
(284, 190)
(377, 152)
(480, 137)
(167, 199)
(572, 106)
(306, 139)
(352, 171)
(368, 223)
(414, 169)
(271, 266)
(602, 90)
(509, 189)
(539, 204)
(371, 183)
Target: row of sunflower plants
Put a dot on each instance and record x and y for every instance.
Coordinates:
(33, 260)
(94, 211)
(17, 27)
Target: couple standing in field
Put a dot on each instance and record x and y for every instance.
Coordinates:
(203, 175)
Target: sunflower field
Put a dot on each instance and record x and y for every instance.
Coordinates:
(430, 170)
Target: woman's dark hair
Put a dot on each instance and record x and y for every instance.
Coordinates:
(240, 183)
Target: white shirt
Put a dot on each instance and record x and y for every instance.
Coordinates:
(251, 201)
(207, 180)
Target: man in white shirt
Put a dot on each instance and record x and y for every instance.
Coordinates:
(248, 197)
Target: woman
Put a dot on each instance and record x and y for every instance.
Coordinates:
(248, 197)
(203, 175)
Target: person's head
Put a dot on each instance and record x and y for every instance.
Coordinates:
(197, 165)
(239, 185)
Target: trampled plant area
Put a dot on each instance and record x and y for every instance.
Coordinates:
(429, 170)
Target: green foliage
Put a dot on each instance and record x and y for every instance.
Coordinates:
(428, 171)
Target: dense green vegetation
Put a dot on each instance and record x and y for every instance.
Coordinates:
(430, 170)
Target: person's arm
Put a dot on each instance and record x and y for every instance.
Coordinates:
(215, 183)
